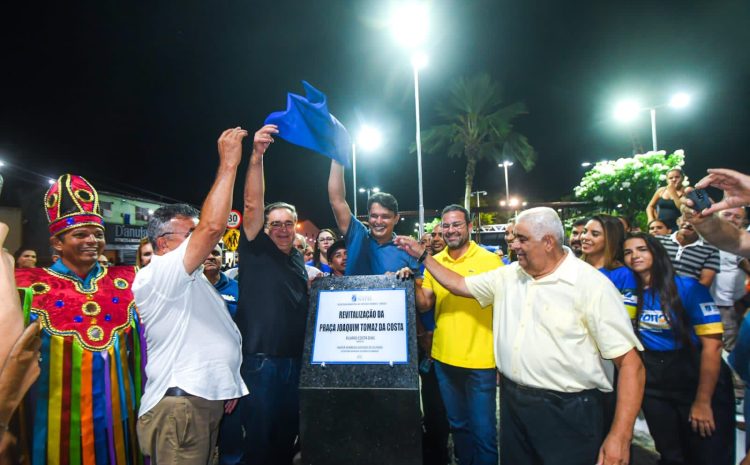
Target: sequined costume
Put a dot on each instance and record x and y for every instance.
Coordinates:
(83, 407)
(86, 399)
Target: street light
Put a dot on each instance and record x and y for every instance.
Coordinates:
(627, 110)
(409, 25)
(505, 166)
(369, 190)
(479, 217)
(586, 164)
(368, 139)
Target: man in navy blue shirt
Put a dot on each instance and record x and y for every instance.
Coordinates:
(368, 251)
(227, 288)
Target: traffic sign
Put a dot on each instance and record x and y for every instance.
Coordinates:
(235, 219)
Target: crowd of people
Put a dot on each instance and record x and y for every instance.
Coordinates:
(179, 362)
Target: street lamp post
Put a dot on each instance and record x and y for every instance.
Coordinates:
(409, 26)
(417, 62)
(505, 166)
(479, 217)
(369, 190)
(627, 111)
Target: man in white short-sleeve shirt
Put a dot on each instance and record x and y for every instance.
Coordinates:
(557, 323)
(193, 346)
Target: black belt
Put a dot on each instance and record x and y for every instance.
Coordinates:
(176, 392)
(547, 393)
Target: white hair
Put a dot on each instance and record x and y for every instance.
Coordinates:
(543, 221)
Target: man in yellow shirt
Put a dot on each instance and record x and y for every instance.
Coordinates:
(462, 344)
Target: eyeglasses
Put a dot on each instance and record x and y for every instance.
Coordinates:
(276, 225)
(185, 234)
(456, 225)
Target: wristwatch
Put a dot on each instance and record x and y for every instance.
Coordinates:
(423, 256)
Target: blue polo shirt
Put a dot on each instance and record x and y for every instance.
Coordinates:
(365, 256)
(229, 290)
(60, 267)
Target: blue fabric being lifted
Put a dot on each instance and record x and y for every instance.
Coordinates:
(307, 123)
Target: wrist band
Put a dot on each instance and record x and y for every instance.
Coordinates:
(423, 256)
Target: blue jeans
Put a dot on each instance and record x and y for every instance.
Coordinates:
(470, 396)
(270, 414)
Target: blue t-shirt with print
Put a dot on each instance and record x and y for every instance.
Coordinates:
(624, 280)
(702, 313)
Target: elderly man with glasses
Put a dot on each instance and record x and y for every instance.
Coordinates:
(193, 346)
(271, 315)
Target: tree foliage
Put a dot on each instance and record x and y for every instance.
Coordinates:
(626, 185)
(478, 126)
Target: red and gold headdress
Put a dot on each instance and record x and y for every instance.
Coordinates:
(72, 202)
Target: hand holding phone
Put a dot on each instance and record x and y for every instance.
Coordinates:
(700, 199)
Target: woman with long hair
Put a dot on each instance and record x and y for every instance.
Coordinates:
(601, 244)
(665, 204)
(689, 400)
(323, 241)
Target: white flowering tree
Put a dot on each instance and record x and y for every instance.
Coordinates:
(626, 185)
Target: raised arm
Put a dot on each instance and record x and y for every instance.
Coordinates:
(337, 197)
(218, 203)
(454, 282)
(253, 218)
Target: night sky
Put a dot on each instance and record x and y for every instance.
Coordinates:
(134, 96)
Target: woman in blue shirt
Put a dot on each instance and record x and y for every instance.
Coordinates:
(688, 401)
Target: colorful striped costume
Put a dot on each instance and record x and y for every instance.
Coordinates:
(84, 406)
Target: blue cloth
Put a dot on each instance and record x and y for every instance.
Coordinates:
(270, 415)
(229, 290)
(307, 123)
(469, 396)
(60, 267)
(365, 256)
(428, 319)
(624, 280)
(656, 333)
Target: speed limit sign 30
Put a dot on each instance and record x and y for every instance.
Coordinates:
(235, 219)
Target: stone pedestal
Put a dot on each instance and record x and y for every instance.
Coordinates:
(360, 413)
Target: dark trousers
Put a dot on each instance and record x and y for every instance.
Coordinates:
(542, 427)
(232, 437)
(434, 421)
(675, 440)
(270, 414)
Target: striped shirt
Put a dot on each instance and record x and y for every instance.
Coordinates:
(690, 259)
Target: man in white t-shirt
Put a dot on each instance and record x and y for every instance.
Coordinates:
(193, 346)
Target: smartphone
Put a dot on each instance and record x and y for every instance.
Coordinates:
(700, 199)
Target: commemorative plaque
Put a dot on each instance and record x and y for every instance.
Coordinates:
(359, 387)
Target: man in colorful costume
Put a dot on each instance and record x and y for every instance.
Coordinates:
(83, 406)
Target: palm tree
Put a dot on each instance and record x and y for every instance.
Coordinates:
(478, 127)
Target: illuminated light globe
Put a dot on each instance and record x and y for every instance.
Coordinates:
(369, 138)
(409, 24)
(627, 110)
(679, 100)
